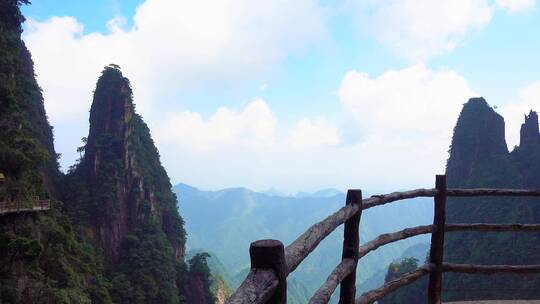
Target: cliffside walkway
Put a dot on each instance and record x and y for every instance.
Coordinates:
(271, 262)
(37, 205)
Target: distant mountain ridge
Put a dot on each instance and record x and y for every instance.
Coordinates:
(328, 192)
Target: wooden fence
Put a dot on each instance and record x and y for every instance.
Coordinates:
(18, 206)
(271, 262)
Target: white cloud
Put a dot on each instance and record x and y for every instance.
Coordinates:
(516, 6)
(247, 147)
(420, 29)
(313, 134)
(402, 119)
(514, 111)
(172, 46)
(253, 127)
(414, 101)
(406, 116)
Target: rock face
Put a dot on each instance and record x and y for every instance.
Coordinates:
(26, 139)
(479, 158)
(124, 174)
(221, 291)
(478, 136)
(41, 127)
(41, 258)
(110, 115)
(196, 291)
(529, 134)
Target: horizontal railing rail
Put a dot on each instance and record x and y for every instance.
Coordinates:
(266, 282)
(404, 280)
(493, 227)
(378, 200)
(298, 250)
(388, 238)
(258, 287)
(323, 294)
(490, 269)
(492, 192)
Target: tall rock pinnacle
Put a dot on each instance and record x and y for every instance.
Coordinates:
(529, 134)
(128, 185)
(478, 135)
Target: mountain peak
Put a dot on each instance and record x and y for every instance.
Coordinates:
(121, 165)
(529, 134)
(112, 107)
(479, 135)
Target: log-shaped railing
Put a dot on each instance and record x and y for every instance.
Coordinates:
(271, 263)
(388, 287)
(19, 206)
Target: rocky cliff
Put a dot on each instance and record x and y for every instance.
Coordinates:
(479, 158)
(529, 134)
(121, 195)
(479, 138)
(121, 167)
(26, 141)
(41, 258)
(527, 154)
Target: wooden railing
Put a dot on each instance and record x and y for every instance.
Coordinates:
(19, 206)
(271, 262)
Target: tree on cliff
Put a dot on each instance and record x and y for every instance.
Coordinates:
(413, 293)
(196, 285)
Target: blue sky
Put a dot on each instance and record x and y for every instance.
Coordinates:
(294, 96)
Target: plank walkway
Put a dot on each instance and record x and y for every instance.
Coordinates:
(14, 207)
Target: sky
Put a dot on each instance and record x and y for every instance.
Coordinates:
(291, 95)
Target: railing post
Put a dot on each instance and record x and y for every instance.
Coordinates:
(437, 241)
(270, 254)
(351, 243)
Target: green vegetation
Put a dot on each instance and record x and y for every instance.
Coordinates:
(146, 273)
(41, 258)
(42, 261)
(413, 293)
(24, 134)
